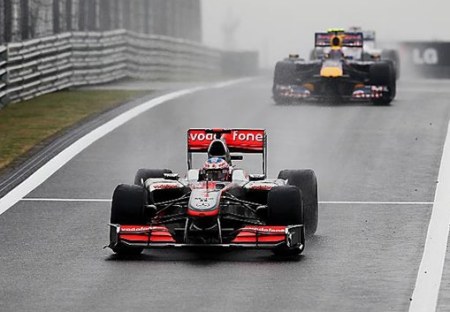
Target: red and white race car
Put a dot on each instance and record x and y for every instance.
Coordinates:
(218, 204)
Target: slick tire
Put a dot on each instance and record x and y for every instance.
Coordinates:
(279, 100)
(306, 181)
(392, 55)
(285, 73)
(383, 74)
(127, 208)
(144, 174)
(128, 204)
(285, 207)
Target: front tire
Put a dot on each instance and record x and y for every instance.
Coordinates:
(285, 207)
(383, 74)
(285, 75)
(306, 181)
(127, 208)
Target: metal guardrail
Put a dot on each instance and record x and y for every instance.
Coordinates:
(3, 75)
(35, 67)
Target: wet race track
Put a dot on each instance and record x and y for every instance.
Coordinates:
(376, 166)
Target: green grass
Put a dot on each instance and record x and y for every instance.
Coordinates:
(24, 125)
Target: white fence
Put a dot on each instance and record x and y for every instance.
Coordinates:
(35, 67)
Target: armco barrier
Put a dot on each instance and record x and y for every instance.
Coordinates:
(98, 57)
(3, 75)
(35, 67)
(159, 58)
(38, 66)
(428, 59)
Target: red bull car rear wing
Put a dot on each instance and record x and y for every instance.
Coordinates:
(346, 39)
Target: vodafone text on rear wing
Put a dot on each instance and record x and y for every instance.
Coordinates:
(247, 141)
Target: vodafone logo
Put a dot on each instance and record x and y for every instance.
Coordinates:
(201, 136)
(235, 139)
(249, 136)
(134, 229)
(236, 136)
(266, 229)
(140, 228)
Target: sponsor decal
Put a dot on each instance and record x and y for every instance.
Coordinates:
(261, 186)
(428, 56)
(236, 139)
(127, 228)
(267, 229)
(377, 88)
(200, 136)
(203, 202)
(247, 136)
(140, 228)
(164, 186)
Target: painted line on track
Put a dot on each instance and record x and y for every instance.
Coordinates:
(429, 276)
(374, 203)
(68, 200)
(54, 164)
(43, 199)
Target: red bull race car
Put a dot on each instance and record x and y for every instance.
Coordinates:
(336, 73)
(218, 204)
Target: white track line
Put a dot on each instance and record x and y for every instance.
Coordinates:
(43, 199)
(426, 291)
(70, 152)
(73, 200)
(374, 203)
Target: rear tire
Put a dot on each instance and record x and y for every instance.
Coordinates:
(392, 55)
(144, 174)
(306, 181)
(285, 207)
(127, 208)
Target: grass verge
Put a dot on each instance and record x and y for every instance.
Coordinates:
(24, 125)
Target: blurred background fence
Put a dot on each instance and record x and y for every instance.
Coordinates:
(38, 66)
(50, 45)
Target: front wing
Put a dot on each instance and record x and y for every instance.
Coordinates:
(299, 92)
(252, 236)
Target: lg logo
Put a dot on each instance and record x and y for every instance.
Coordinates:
(428, 56)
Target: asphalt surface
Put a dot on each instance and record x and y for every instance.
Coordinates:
(364, 256)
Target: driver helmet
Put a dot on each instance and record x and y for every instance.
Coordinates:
(216, 169)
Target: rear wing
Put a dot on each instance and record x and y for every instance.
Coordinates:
(347, 39)
(247, 141)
